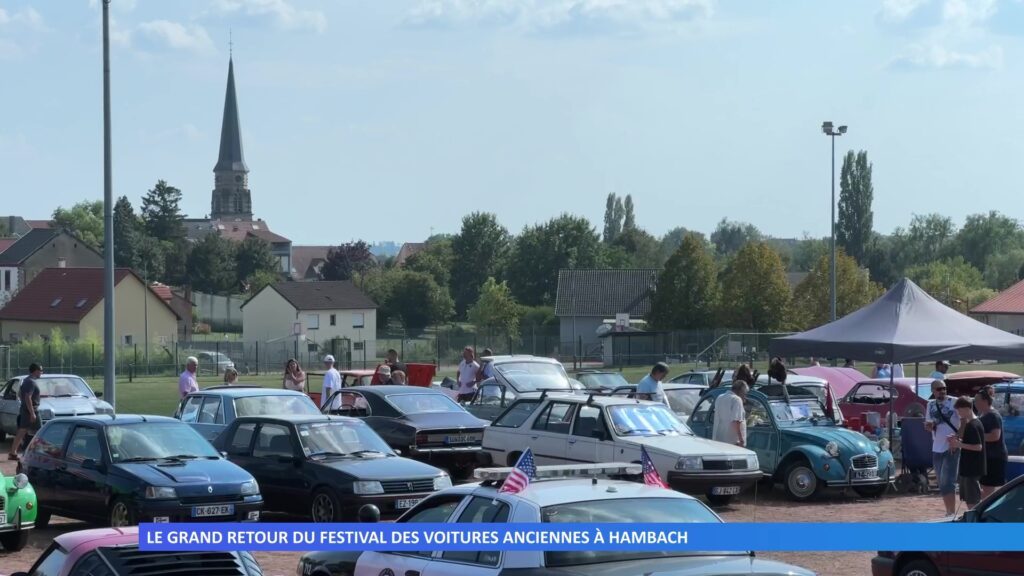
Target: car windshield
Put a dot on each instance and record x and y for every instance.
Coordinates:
(1008, 405)
(608, 381)
(419, 403)
(625, 510)
(530, 376)
(646, 420)
(156, 440)
(340, 438)
(797, 410)
(682, 401)
(272, 405)
(63, 387)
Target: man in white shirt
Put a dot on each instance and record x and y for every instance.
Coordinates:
(730, 424)
(187, 381)
(468, 368)
(332, 383)
(942, 420)
(941, 367)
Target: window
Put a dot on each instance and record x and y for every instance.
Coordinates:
(555, 418)
(1008, 405)
(7, 280)
(312, 321)
(358, 320)
(273, 441)
(92, 565)
(870, 394)
(129, 340)
(50, 441)
(210, 413)
(81, 302)
(334, 319)
(85, 445)
(435, 509)
(588, 421)
(357, 346)
(51, 563)
(516, 414)
(242, 439)
(1007, 508)
(56, 302)
(480, 510)
(757, 414)
(191, 412)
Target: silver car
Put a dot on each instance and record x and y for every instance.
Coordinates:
(59, 395)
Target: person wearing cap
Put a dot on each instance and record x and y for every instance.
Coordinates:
(941, 367)
(332, 383)
(649, 388)
(384, 375)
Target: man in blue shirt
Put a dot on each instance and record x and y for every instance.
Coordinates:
(941, 367)
(649, 388)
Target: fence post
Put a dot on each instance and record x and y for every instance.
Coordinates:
(49, 357)
(216, 363)
(257, 357)
(364, 354)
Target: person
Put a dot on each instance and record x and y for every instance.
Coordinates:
(28, 412)
(649, 387)
(881, 370)
(970, 442)
(187, 382)
(777, 370)
(815, 361)
(467, 370)
(730, 425)
(398, 378)
(486, 366)
(294, 377)
(332, 383)
(230, 376)
(394, 363)
(941, 367)
(996, 454)
(849, 363)
(943, 421)
(743, 373)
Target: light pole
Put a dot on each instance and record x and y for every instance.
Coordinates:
(831, 132)
(108, 224)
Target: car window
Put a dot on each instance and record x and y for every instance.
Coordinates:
(700, 413)
(275, 404)
(757, 413)
(682, 401)
(152, 440)
(354, 404)
(555, 417)
(480, 510)
(516, 414)
(272, 441)
(85, 445)
(50, 441)
(870, 394)
(91, 565)
(210, 412)
(191, 412)
(242, 439)
(419, 403)
(63, 387)
(1007, 508)
(1009, 407)
(588, 420)
(435, 509)
(50, 563)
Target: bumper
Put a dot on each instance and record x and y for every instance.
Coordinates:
(882, 566)
(701, 482)
(886, 477)
(18, 522)
(388, 504)
(458, 456)
(175, 511)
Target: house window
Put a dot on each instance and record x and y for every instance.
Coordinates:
(312, 321)
(357, 345)
(358, 320)
(7, 280)
(128, 340)
(334, 319)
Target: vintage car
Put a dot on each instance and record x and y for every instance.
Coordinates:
(326, 467)
(872, 395)
(818, 386)
(681, 398)
(802, 448)
(1004, 506)
(115, 552)
(1009, 401)
(211, 409)
(702, 377)
(601, 379)
(555, 496)
(59, 395)
(18, 508)
(572, 429)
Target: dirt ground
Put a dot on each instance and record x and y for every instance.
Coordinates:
(770, 506)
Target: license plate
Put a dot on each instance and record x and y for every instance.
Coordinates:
(408, 503)
(461, 439)
(725, 490)
(219, 510)
(865, 474)
(3, 517)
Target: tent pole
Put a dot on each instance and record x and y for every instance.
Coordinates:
(917, 376)
(892, 404)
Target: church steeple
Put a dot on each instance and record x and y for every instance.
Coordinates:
(231, 197)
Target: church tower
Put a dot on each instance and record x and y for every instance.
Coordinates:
(231, 197)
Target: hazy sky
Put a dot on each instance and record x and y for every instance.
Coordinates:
(384, 119)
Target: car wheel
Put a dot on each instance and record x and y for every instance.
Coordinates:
(14, 541)
(325, 506)
(42, 517)
(800, 481)
(870, 491)
(121, 515)
(513, 458)
(719, 499)
(919, 568)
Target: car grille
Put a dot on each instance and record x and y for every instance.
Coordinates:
(730, 464)
(402, 486)
(212, 499)
(3, 506)
(861, 461)
(130, 561)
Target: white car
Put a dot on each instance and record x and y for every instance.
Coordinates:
(59, 395)
(580, 493)
(568, 429)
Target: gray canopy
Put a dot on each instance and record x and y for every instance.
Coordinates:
(904, 325)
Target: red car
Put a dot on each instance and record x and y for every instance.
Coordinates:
(873, 396)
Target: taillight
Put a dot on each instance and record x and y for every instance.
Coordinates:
(421, 439)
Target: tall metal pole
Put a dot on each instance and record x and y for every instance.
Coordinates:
(108, 223)
(833, 270)
(145, 315)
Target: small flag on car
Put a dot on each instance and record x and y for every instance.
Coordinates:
(651, 476)
(519, 478)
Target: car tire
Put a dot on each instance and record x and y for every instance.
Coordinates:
(719, 500)
(14, 541)
(513, 458)
(121, 514)
(325, 506)
(42, 517)
(800, 482)
(919, 568)
(870, 491)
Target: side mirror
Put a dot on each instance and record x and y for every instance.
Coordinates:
(971, 516)
(20, 574)
(90, 464)
(224, 455)
(289, 460)
(98, 394)
(368, 513)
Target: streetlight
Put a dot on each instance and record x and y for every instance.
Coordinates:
(828, 129)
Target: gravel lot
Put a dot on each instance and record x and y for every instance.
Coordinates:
(771, 506)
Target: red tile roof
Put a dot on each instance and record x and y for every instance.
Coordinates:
(161, 290)
(409, 249)
(6, 242)
(1009, 301)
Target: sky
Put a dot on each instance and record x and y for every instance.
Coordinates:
(391, 119)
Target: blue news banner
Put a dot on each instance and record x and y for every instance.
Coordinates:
(551, 537)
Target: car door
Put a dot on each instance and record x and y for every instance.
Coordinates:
(276, 465)
(1006, 508)
(866, 397)
(42, 460)
(491, 400)
(85, 479)
(763, 436)
(549, 432)
(589, 440)
(701, 419)
(478, 510)
(9, 407)
(209, 418)
(435, 509)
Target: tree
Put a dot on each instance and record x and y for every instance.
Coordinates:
(261, 279)
(540, 251)
(953, 281)
(254, 258)
(418, 301)
(162, 214)
(612, 222)
(127, 235)
(729, 236)
(687, 291)
(881, 260)
(755, 294)
(984, 235)
(150, 259)
(807, 253)
(212, 265)
(854, 226)
(673, 239)
(1004, 270)
(84, 220)
(176, 261)
(346, 260)
(479, 251)
(812, 298)
(435, 260)
(379, 284)
(629, 218)
(496, 309)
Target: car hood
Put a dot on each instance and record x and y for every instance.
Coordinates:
(381, 468)
(849, 441)
(188, 472)
(687, 446)
(72, 406)
(438, 420)
(686, 566)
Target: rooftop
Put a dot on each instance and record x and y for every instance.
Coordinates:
(336, 295)
(605, 292)
(27, 245)
(1009, 301)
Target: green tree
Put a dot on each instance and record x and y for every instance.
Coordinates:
(629, 217)
(729, 237)
(640, 248)
(538, 316)
(496, 309)
(984, 235)
(176, 261)
(162, 214)
(854, 225)
(379, 284)
(807, 253)
(212, 265)
(952, 281)
(418, 301)
(254, 258)
(127, 234)
(687, 290)
(347, 260)
(540, 251)
(480, 250)
(755, 293)
(1004, 270)
(261, 279)
(812, 298)
(673, 239)
(612, 218)
(84, 220)
(435, 260)
(151, 259)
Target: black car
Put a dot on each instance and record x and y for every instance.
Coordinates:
(210, 410)
(327, 467)
(417, 422)
(126, 469)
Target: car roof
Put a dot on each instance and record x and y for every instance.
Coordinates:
(551, 492)
(296, 418)
(383, 390)
(498, 360)
(114, 419)
(46, 375)
(600, 399)
(366, 372)
(793, 380)
(97, 537)
(757, 393)
(671, 386)
(245, 390)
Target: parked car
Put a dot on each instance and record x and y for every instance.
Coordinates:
(417, 422)
(873, 396)
(601, 379)
(210, 410)
(212, 362)
(126, 469)
(702, 377)
(552, 499)
(573, 429)
(681, 398)
(1009, 401)
(800, 447)
(60, 395)
(327, 467)
(514, 376)
(356, 377)
(1004, 506)
(115, 552)
(18, 508)
(970, 382)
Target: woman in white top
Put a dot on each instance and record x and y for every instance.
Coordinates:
(294, 377)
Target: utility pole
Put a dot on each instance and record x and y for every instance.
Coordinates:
(108, 224)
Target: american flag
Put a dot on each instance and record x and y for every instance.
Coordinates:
(651, 476)
(519, 478)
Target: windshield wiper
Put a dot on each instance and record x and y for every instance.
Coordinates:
(361, 452)
(180, 457)
(137, 459)
(68, 396)
(328, 453)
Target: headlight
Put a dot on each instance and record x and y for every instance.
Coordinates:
(367, 487)
(883, 444)
(752, 462)
(690, 463)
(104, 408)
(250, 488)
(46, 414)
(20, 481)
(157, 492)
(442, 482)
(832, 449)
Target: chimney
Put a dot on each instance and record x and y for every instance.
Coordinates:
(62, 262)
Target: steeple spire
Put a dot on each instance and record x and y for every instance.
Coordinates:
(231, 197)
(231, 157)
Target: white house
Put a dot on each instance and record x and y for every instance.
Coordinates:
(315, 311)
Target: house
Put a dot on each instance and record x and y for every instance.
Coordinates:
(408, 250)
(307, 261)
(590, 298)
(71, 299)
(181, 305)
(37, 250)
(1004, 311)
(16, 226)
(314, 311)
